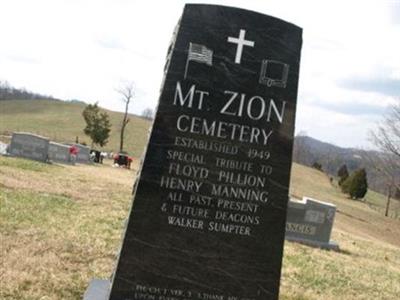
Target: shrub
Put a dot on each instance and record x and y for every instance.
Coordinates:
(317, 166)
(356, 184)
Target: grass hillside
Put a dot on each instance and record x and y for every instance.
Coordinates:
(62, 122)
(61, 226)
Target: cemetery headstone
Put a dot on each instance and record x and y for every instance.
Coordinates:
(30, 146)
(310, 222)
(209, 210)
(59, 152)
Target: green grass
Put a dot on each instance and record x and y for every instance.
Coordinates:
(317, 185)
(358, 272)
(24, 164)
(63, 122)
(24, 208)
(61, 226)
(378, 202)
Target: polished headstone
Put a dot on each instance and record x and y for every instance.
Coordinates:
(310, 221)
(59, 153)
(209, 210)
(30, 146)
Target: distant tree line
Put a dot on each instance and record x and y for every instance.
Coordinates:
(8, 92)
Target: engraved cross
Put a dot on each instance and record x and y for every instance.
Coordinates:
(240, 41)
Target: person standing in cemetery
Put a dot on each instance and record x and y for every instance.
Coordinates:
(102, 156)
(93, 156)
(73, 152)
(130, 159)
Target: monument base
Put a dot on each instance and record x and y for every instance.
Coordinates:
(98, 289)
(332, 245)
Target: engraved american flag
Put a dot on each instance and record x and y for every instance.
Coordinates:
(200, 53)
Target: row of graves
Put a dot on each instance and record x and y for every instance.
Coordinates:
(36, 147)
(40, 148)
(210, 208)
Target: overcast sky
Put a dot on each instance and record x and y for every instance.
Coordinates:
(349, 73)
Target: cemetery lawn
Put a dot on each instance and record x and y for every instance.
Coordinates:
(61, 226)
(62, 122)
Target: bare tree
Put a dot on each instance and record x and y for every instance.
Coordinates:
(127, 94)
(387, 165)
(387, 136)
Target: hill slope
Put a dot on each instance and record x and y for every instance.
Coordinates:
(62, 122)
(308, 150)
(364, 219)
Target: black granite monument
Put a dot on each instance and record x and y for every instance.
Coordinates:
(209, 211)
